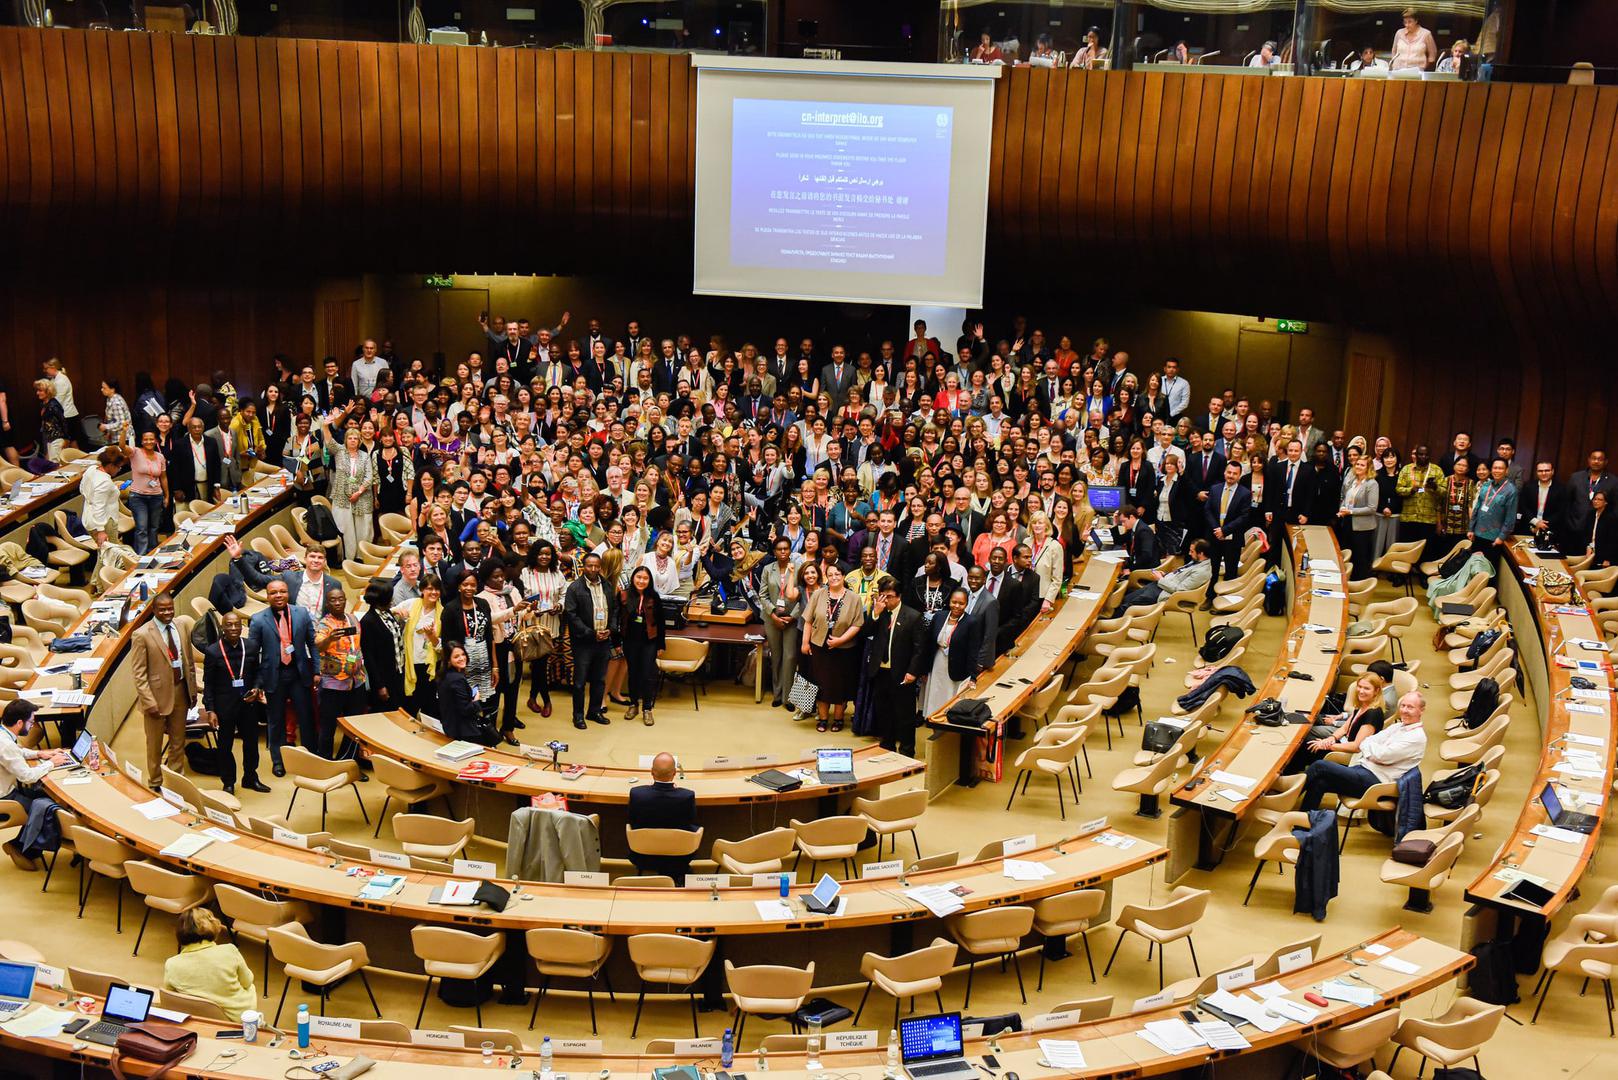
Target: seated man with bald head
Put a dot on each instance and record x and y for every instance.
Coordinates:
(662, 805)
(1383, 758)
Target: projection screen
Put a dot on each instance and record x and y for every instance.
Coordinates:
(826, 180)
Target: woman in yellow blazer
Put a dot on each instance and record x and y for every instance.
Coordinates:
(207, 969)
(832, 626)
(419, 622)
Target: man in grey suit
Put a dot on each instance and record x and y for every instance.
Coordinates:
(1308, 434)
(308, 587)
(837, 376)
(780, 620)
(283, 638)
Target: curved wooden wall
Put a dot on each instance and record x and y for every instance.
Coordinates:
(1480, 220)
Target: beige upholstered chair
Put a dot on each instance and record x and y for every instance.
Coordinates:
(920, 971)
(1422, 880)
(1452, 1038)
(673, 960)
(1401, 560)
(453, 954)
(395, 527)
(1162, 924)
(568, 954)
(893, 815)
(938, 861)
(1278, 846)
(405, 783)
(1105, 692)
(164, 890)
(1352, 1045)
(48, 616)
(1587, 947)
(310, 772)
(1282, 798)
(992, 932)
(763, 853)
(644, 881)
(1055, 761)
(1377, 797)
(251, 916)
(662, 843)
(384, 1031)
(105, 857)
(186, 788)
(1151, 781)
(1066, 914)
(1482, 794)
(199, 1008)
(1498, 667)
(1468, 748)
(1430, 567)
(1092, 1008)
(767, 990)
(313, 962)
(682, 658)
(829, 838)
(432, 837)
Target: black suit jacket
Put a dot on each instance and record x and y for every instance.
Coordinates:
(1579, 512)
(219, 692)
(1141, 489)
(1182, 503)
(965, 650)
(1604, 539)
(907, 643)
(660, 805)
(579, 611)
(1141, 543)
(987, 613)
(1203, 479)
(1275, 490)
(1237, 518)
(1019, 603)
(1557, 502)
(183, 473)
(970, 523)
(331, 398)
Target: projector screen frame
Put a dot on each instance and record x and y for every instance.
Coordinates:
(764, 66)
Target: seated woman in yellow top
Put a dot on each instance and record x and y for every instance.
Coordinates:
(209, 970)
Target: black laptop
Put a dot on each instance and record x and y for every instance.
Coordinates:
(1566, 819)
(125, 1007)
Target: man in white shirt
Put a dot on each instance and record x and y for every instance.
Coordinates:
(1175, 388)
(20, 770)
(1164, 447)
(1383, 758)
(100, 491)
(365, 370)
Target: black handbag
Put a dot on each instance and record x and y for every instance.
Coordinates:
(1159, 737)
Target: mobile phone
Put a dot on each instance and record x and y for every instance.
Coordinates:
(73, 1027)
(992, 1062)
(1190, 1016)
(228, 1033)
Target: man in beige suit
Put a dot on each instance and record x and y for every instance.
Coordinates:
(165, 686)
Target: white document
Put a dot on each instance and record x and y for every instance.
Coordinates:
(72, 699)
(1220, 776)
(1174, 1036)
(1062, 1053)
(772, 910)
(1337, 990)
(157, 809)
(85, 665)
(1561, 836)
(1403, 967)
(186, 846)
(459, 893)
(1116, 840)
(1269, 991)
(40, 1023)
(1231, 793)
(1377, 949)
(1022, 870)
(937, 899)
(1594, 710)
(1221, 1036)
(1297, 1012)
(221, 835)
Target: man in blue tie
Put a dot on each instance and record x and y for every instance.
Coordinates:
(1227, 510)
(1289, 488)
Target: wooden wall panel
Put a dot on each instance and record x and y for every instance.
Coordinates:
(1477, 223)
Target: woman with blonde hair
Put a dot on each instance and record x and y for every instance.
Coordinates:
(208, 967)
(1362, 715)
(1046, 553)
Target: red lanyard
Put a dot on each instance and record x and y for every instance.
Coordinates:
(225, 656)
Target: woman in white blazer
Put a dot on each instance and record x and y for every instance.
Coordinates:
(1048, 560)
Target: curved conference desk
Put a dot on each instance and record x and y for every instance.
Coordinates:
(184, 566)
(35, 500)
(729, 805)
(1111, 1046)
(1040, 651)
(1209, 809)
(1547, 634)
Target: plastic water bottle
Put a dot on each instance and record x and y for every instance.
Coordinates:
(303, 1027)
(545, 1057)
(893, 1052)
(786, 890)
(727, 1050)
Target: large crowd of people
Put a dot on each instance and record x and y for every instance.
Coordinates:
(892, 517)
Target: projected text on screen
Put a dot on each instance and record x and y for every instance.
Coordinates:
(840, 186)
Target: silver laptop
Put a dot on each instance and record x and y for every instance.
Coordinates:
(16, 985)
(930, 1047)
(835, 765)
(80, 750)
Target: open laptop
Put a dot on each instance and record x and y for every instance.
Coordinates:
(16, 984)
(930, 1046)
(126, 1006)
(81, 749)
(823, 901)
(835, 765)
(1566, 819)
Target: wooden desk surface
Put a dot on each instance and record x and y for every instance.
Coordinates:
(1046, 644)
(1558, 864)
(1111, 1046)
(1257, 752)
(716, 781)
(108, 802)
(49, 490)
(265, 499)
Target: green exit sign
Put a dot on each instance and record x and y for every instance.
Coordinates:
(1292, 326)
(438, 281)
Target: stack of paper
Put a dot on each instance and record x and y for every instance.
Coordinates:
(1295, 1011)
(72, 699)
(1062, 1053)
(186, 846)
(459, 750)
(1171, 1036)
(1246, 1008)
(1338, 990)
(772, 910)
(1115, 840)
(381, 885)
(157, 809)
(938, 899)
(1022, 870)
(1221, 1036)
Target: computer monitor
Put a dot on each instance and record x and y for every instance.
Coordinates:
(126, 1004)
(835, 759)
(927, 1038)
(1106, 500)
(16, 980)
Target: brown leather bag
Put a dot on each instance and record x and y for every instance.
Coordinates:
(153, 1043)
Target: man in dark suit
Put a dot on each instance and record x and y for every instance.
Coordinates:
(1137, 538)
(282, 638)
(590, 609)
(1048, 388)
(1544, 504)
(1210, 420)
(229, 667)
(662, 805)
(666, 372)
(196, 466)
(334, 390)
(837, 376)
(982, 605)
(1227, 511)
(961, 516)
(1582, 489)
(1289, 490)
(894, 631)
(1016, 592)
(1204, 467)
